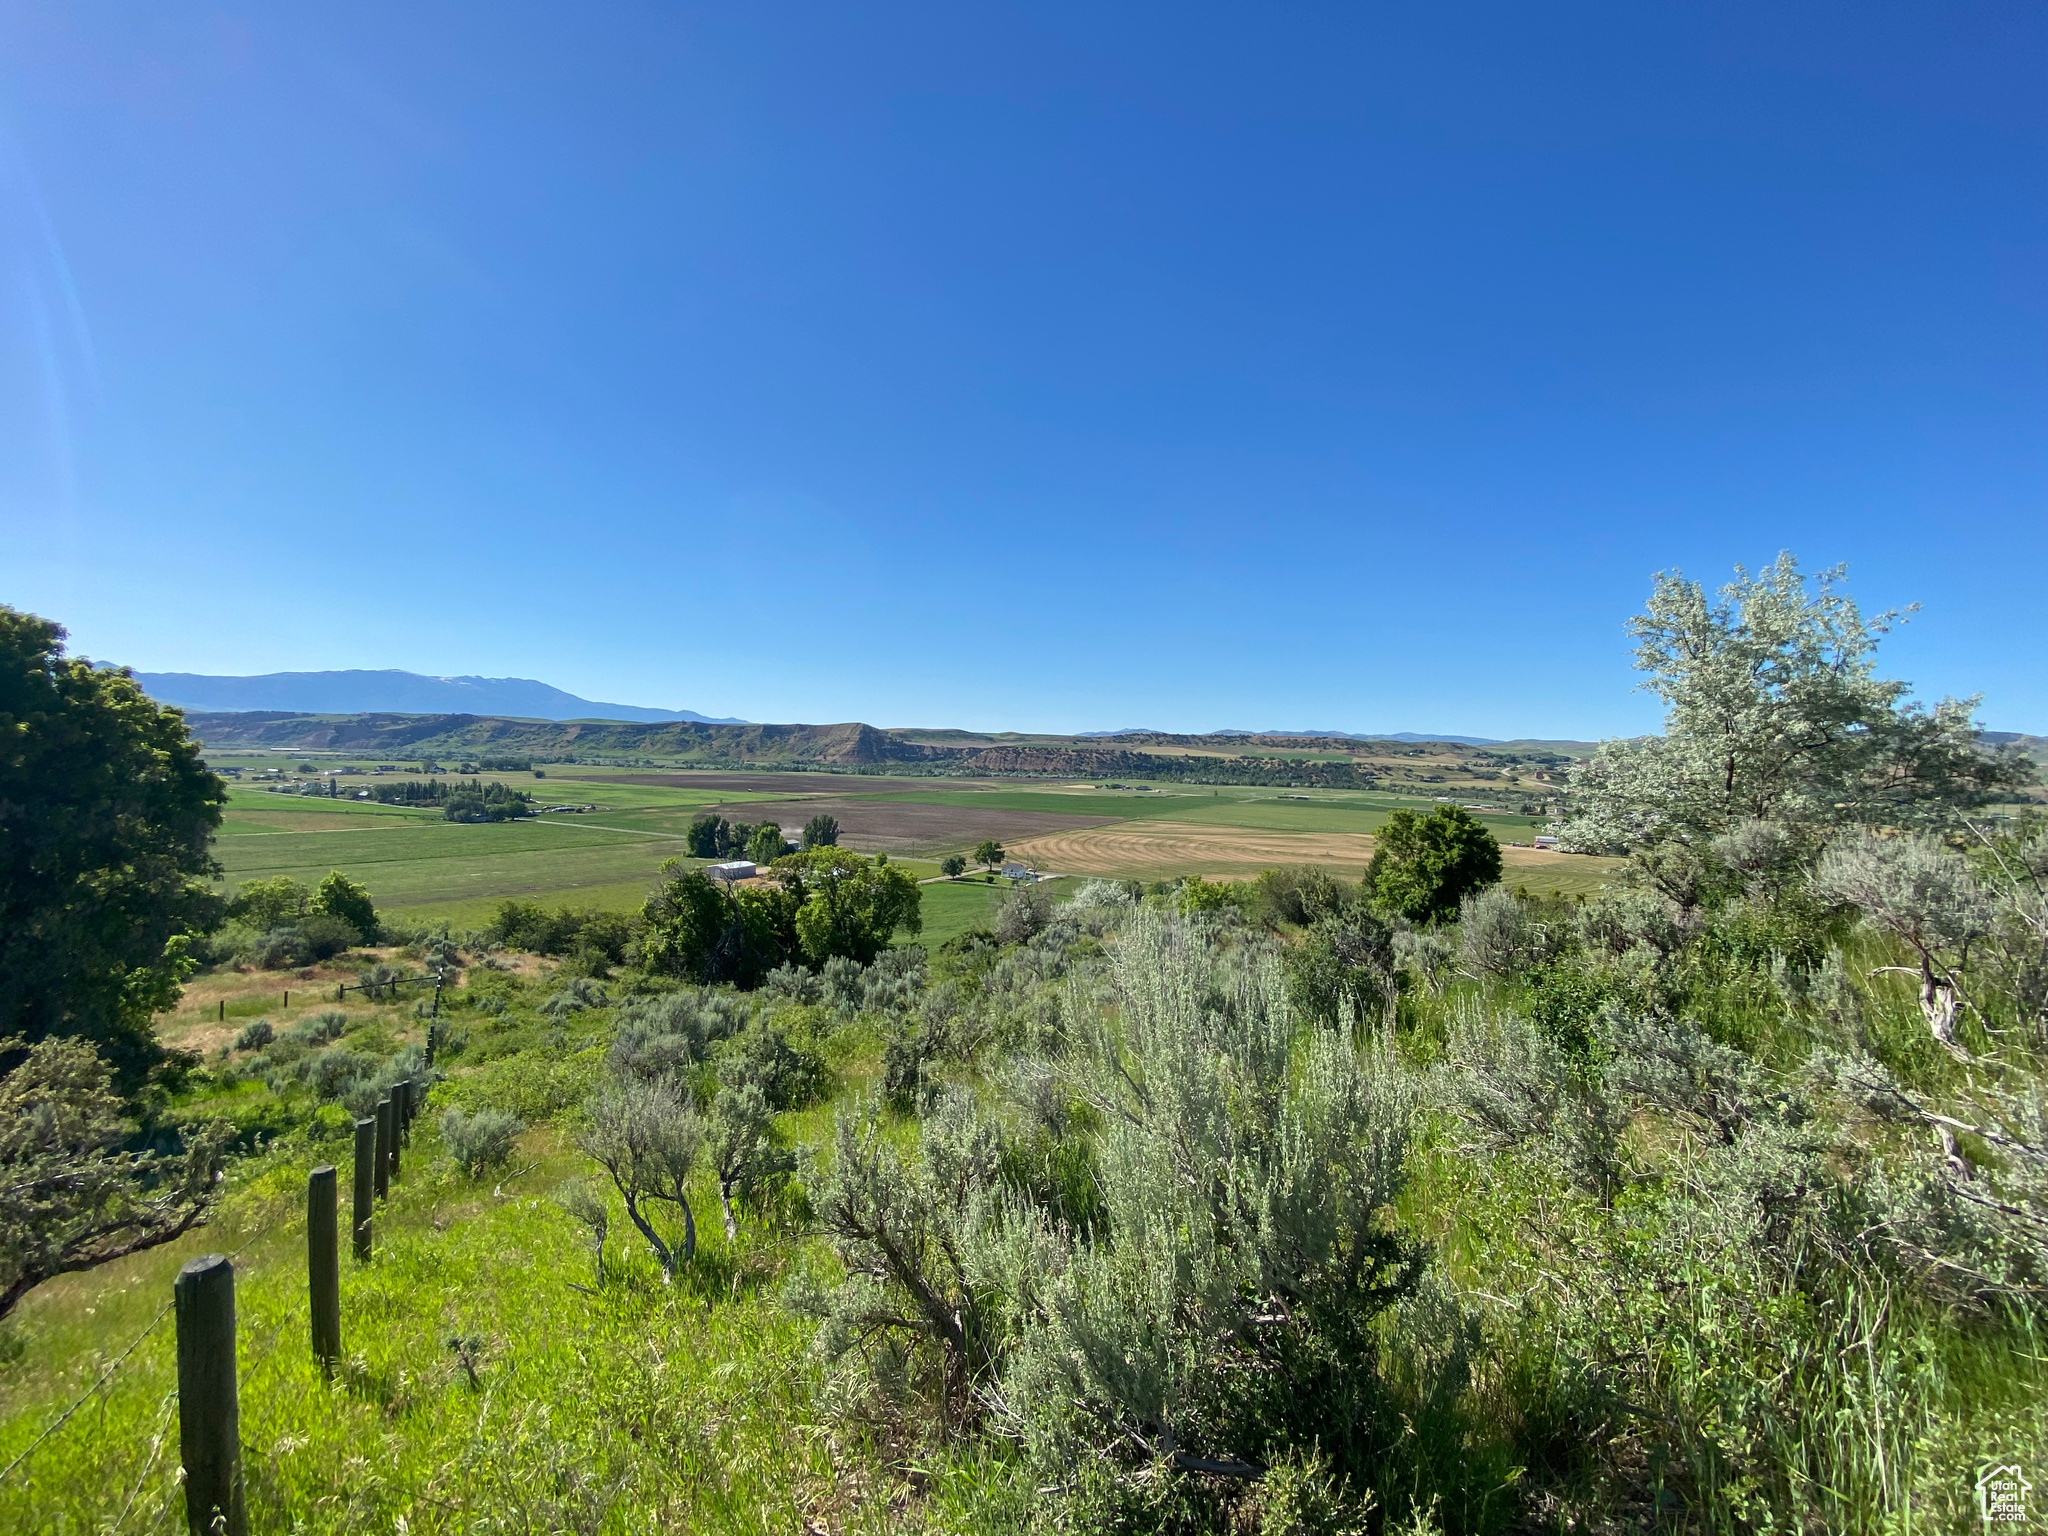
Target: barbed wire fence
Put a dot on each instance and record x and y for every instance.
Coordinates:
(121, 1359)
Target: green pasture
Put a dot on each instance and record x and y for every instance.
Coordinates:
(951, 907)
(435, 863)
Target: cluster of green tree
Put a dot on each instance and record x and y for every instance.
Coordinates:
(1190, 768)
(713, 837)
(598, 939)
(826, 903)
(290, 924)
(480, 800)
(460, 799)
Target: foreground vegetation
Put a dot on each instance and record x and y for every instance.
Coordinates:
(1715, 1203)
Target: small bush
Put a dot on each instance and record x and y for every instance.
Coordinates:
(1024, 914)
(481, 1141)
(793, 982)
(579, 993)
(320, 1027)
(317, 936)
(255, 1036)
(333, 1072)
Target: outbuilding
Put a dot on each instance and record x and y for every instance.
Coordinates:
(733, 869)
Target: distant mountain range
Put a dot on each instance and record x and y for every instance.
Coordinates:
(402, 693)
(1463, 741)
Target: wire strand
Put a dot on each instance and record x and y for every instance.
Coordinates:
(107, 1375)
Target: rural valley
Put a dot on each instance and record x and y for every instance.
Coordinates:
(813, 1128)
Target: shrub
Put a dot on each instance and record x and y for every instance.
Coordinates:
(1023, 914)
(578, 994)
(254, 1036)
(319, 1028)
(841, 982)
(316, 936)
(648, 1138)
(481, 1141)
(1497, 936)
(332, 1073)
(1299, 896)
(788, 1076)
(795, 983)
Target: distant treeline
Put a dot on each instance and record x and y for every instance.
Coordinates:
(459, 799)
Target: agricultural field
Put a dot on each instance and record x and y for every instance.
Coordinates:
(424, 868)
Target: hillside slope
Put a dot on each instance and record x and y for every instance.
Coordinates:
(1293, 762)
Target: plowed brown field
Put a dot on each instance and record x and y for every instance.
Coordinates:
(774, 783)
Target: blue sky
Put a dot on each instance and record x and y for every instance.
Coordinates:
(1037, 367)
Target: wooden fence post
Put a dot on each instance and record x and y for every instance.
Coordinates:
(209, 1417)
(323, 1264)
(403, 1094)
(383, 1148)
(397, 1122)
(366, 1185)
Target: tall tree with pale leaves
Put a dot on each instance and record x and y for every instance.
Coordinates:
(1775, 713)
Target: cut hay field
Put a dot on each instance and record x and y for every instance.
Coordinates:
(1160, 850)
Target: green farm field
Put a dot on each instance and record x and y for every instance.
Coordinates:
(424, 868)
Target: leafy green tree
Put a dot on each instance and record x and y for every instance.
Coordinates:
(706, 837)
(1775, 713)
(848, 905)
(765, 846)
(69, 1197)
(274, 903)
(700, 929)
(988, 853)
(106, 810)
(1423, 866)
(821, 831)
(339, 896)
(952, 866)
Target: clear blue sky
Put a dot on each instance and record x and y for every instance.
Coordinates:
(1055, 367)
